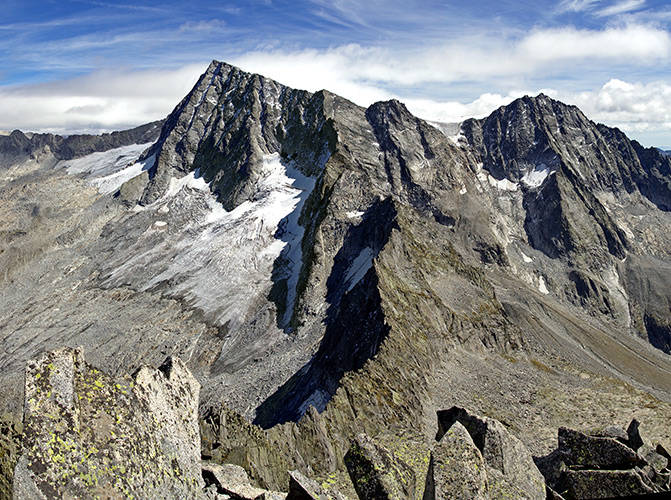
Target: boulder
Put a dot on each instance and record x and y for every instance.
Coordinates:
(652, 458)
(456, 469)
(612, 431)
(517, 473)
(303, 488)
(233, 480)
(376, 473)
(605, 483)
(87, 435)
(590, 452)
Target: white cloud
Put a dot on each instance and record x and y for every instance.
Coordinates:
(576, 5)
(464, 59)
(103, 100)
(111, 100)
(620, 8)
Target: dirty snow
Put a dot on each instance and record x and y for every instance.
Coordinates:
(222, 261)
(108, 170)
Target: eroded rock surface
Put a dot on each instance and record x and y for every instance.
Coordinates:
(376, 473)
(87, 434)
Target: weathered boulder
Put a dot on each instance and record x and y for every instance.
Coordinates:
(456, 469)
(652, 458)
(376, 473)
(590, 452)
(612, 431)
(511, 470)
(304, 488)
(233, 480)
(87, 435)
(605, 483)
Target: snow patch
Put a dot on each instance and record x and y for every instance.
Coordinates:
(463, 190)
(526, 258)
(541, 286)
(502, 185)
(354, 215)
(108, 170)
(160, 223)
(536, 176)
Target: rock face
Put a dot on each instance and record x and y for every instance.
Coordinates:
(585, 451)
(87, 434)
(509, 468)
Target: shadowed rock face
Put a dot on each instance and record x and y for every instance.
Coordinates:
(299, 251)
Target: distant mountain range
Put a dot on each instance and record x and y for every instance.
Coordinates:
(325, 269)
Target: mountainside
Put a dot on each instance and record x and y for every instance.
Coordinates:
(325, 269)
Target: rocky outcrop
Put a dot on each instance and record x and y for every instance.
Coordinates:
(232, 480)
(509, 469)
(606, 464)
(87, 434)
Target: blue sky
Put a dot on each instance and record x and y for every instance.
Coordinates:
(92, 65)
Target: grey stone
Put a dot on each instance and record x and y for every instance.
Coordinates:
(376, 473)
(612, 431)
(503, 452)
(652, 458)
(578, 449)
(87, 434)
(304, 488)
(231, 480)
(456, 468)
(605, 484)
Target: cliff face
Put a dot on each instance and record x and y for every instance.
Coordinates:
(299, 251)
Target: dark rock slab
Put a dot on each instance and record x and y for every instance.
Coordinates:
(605, 484)
(634, 440)
(590, 452)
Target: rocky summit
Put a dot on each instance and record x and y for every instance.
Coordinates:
(353, 303)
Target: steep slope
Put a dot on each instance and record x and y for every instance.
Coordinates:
(351, 269)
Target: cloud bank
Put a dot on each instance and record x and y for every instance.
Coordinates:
(107, 100)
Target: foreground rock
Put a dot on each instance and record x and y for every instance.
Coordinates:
(509, 470)
(606, 464)
(456, 469)
(233, 481)
(304, 488)
(376, 474)
(87, 435)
